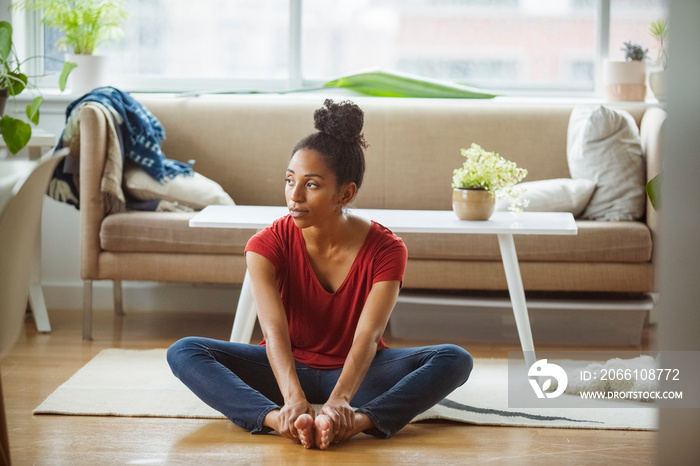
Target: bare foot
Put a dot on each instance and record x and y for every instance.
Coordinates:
(324, 431)
(305, 428)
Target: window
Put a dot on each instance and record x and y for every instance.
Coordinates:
(498, 44)
(176, 43)
(630, 21)
(506, 45)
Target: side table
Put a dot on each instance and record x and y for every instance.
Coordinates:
(40, 145)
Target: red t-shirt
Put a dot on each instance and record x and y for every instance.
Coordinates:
(322, 324)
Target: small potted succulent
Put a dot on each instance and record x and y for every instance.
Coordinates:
(626, 80)
(483, 177)
(657, 76)
(85, 25)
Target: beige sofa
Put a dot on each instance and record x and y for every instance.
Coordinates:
(244, 143)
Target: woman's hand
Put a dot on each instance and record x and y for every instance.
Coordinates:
(342, 416)
(288, 416)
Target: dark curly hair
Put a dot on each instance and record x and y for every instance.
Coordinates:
(339, 139)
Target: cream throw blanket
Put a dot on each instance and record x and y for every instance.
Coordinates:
(111, 186)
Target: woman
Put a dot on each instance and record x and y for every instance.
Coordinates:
(324, 282)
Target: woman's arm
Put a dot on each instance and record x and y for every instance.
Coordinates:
(370, 328)
(273, 322)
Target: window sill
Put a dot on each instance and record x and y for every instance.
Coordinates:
(56, 101)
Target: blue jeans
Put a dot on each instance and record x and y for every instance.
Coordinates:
(237, 380)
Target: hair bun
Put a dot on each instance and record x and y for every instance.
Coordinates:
(342, 121)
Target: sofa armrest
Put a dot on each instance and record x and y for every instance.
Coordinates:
(93, 149)
(652, 129)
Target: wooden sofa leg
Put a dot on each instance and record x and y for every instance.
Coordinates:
(87, 309)
(118, 303)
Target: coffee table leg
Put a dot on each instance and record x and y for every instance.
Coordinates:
(36, 294)
(517, 296)
(244, 321)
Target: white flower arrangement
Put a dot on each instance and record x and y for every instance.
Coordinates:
(490, 172)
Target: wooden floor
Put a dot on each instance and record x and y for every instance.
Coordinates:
(39, 363)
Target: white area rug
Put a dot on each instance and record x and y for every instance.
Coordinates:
(139, 383)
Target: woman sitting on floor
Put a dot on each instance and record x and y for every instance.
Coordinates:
(324, 282)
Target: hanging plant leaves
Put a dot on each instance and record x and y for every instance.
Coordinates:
(33, 109)
(67, 68)
(16, 133)
(654, 191)
(17, 83)
(5, 40)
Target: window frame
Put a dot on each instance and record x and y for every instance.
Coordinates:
(32, 39)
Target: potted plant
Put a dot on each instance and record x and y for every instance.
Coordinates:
(15, 132)
(85, 24)
(483, 176)
(626, 80)
(657, 77)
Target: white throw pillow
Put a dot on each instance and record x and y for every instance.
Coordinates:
(603, 145)
(558, 195)
(195, 191)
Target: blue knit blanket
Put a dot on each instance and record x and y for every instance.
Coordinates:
(139, 135)
(142, 132)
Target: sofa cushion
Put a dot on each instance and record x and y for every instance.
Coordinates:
(196, 191)
(603, 145)
(168, 232)
(559, 195)
(595, 242)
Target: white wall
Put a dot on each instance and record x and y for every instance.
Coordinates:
(679, 322)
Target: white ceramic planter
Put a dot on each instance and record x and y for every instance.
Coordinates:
(90, 73)
(657, 83)
(625, 80)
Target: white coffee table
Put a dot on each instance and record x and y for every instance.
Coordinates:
(502, 224)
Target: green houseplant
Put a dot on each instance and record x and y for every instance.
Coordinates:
(657, 82)
(383, 83)
(657, 77)
(659, 31)
(13, 81)
(482, 177)
(85, 24)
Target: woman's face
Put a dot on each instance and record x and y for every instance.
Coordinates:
(311, 189)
